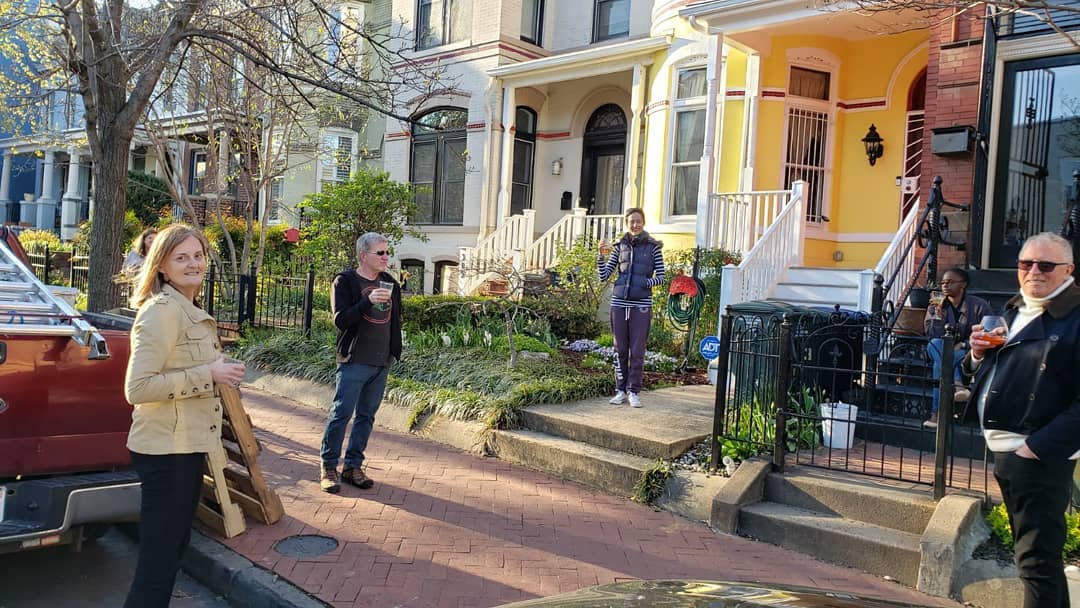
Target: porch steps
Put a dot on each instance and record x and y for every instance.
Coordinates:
(805, 286)
(844, 519)
(607, 446)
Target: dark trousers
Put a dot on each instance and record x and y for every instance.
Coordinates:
(1037, 494)
(171, 484)
(630, 327)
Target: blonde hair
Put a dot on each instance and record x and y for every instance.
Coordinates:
(150, 280)
(139, 244)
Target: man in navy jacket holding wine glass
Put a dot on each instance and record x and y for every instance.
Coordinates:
(1028, 396)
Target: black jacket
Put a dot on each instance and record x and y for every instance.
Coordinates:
(1036, 382)
(353, 316)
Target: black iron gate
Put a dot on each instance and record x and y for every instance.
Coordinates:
(842, 390)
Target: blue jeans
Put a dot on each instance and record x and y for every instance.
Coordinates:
(934, 350)
(359, 391)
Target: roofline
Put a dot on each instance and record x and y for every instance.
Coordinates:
(735, 15)
(584, 57)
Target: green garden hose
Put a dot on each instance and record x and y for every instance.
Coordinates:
(686, 296)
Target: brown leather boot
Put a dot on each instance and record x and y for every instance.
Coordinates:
(329, 481)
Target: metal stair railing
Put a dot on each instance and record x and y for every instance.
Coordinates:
(894, 263)
(780, 247)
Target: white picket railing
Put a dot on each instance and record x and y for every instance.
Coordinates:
(475, 263)
(736, 220)
(892, 259)
(542, 254)
(780, 247)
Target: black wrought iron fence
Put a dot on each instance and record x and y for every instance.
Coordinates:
(844, 391)
(277, 296)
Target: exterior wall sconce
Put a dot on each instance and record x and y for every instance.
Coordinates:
(556, 166)
(874, 145)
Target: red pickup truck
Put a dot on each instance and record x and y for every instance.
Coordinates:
(65, 470)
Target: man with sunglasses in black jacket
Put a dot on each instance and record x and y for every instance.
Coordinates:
(1028, 396)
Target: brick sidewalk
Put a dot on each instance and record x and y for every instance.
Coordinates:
(444, 528)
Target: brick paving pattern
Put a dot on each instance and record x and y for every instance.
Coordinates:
(443, 528)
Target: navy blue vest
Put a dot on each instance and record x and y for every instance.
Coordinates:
(635, 266)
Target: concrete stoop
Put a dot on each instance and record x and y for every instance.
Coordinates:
(901, 533)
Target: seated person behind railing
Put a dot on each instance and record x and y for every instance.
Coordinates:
(961, 311)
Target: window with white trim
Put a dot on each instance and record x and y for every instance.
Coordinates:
(688, 139)
(344, 43)
(199, 165)
(438, 166)
(440, 22)
(611, 19)
(532, 21)
(336, 158)
(808, 130)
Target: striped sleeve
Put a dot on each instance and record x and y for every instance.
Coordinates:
(658, 268)
(606, 268)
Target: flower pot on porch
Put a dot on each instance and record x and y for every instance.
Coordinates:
(919, 297)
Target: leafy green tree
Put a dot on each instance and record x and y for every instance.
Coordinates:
(368, 202)
(148, 197)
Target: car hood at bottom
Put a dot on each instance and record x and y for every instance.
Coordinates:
(704, 594)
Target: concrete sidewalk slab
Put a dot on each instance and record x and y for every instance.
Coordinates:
(443, 528)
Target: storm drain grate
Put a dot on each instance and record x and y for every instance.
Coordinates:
(305, 545)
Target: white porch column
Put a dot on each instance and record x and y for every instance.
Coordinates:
(710, 152)
(633, 138)
(750, 113)
(5, 186)
(506, 165)
(69, 207)
(46, 205)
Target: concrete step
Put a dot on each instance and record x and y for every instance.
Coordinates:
(875, 549)
(821, 295)
(604, 469)
(822, 276)
(852, 498)
(677, 419)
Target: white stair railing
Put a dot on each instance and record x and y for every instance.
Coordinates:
(891, 260)
(736, 220)
(543, 253)
(780, 247)
(474, 263)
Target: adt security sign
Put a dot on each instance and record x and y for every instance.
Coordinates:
(709, 347)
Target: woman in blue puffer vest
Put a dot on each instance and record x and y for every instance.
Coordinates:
(640, 263)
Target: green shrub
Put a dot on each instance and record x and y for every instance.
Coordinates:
(132, 228)
(278, 252)
(577, 278)
(427, 312)
(521, 342)
(605, 339)
(148, 197)
(998, 520)
(569, 320)
(650, 486)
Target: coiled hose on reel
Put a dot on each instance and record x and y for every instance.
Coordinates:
(686, 296)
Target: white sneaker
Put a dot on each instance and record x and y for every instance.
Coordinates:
(618, 398)
(634, 401)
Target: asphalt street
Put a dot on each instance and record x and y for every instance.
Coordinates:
(97, 576)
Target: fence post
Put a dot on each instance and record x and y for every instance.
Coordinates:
(720, 402)
(45, 266)
(252, 294)
(208, 305)
(309, 296)
(780, 394)
(945, 413)
(241, 295)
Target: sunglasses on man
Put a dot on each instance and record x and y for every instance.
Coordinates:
(379, 252)
(1044, 267)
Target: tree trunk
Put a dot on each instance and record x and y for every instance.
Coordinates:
(107, 227)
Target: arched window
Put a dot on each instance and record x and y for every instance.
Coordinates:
(524, 160)
(438, 166)
(412, 276)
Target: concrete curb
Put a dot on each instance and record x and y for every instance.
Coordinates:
(746, 486)
(238, 580)
(944, 544)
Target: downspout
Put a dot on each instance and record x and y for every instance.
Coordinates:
(486, 225)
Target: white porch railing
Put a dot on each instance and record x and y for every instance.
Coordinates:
(474, 263)
(542, 253)
(780, 246)
(736, 220)
(893, 260)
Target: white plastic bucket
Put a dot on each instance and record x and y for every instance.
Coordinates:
(838, 425)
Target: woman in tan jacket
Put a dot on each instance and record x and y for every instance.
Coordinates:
(172, 374)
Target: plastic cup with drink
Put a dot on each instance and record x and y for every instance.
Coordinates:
(388, 286)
